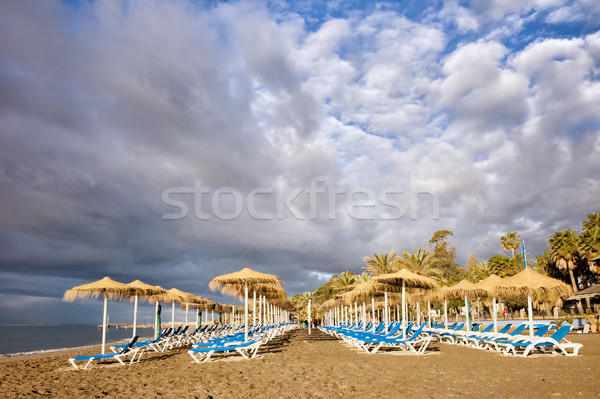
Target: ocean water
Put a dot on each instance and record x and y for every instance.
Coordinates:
(18, 340)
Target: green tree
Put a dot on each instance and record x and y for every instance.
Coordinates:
(380, 263)
(593, 220)
(510, 242)
(504, 266)
(479, 271)
(418, 262)
(444, 256)
(344, 282)
(546, 264)
(362, 278)
(564, 248)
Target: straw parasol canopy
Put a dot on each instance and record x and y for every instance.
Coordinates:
(534, 286)
(243, 279)
(406, 278)
(108, 289)
(463, 289)
(329, 304)
(270, 291)
(362, 292)
(541, 287)
(142, 290)
(243, 276)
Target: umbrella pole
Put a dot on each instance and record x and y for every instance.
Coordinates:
(254, 307)
(104, 324)
(135, 315)
(428, 313)
(373, 312)
(212, 318)
(187, 309)
(309, 321)
(198, 317)
(260, 310)
(356, 311)
(530, 311)
(246, 312)
(404, 308)
(418, 314)
(467, 314)
(495, 315)
(385, 312)
(445, 313)
(156, 320)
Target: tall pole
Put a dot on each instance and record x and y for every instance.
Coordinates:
(246, 311)
(428, 313)
(135, 316)
(157, 320)
(104, 324)
(373, 312)
(187, 308)
(495, 315)
(385, 312)
(173, 315)
(309, 316)
(254, 307)
(403, 308)
(467, 314)
(260, 310)
(445, 313)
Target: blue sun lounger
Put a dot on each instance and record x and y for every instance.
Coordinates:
(550, 344)
(128, 350)
(247, 350)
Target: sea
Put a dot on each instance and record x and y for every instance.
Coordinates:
(22, 340)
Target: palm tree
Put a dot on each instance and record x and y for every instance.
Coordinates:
(362, 278)
(564, 248)
(479, 272)
(593, 221)
(380, 264)
(344, 282)
(510, 242)
(545, 264)
(418, 262)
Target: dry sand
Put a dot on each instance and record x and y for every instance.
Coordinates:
(315, 366)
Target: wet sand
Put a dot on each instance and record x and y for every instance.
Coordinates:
(315, 366)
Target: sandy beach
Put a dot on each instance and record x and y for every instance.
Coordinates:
(315, 366)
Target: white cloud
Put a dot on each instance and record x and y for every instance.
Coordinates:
(94, 126)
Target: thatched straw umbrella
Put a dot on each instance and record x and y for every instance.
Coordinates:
(201, 304)
(370, 289)
(107, 288)
(264, 291)
(533, 284)
(173, 295)
(406, 278)
(244, 278)
(491, 285)
(467, 290)
(143, 291)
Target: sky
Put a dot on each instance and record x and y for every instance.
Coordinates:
(175, 141)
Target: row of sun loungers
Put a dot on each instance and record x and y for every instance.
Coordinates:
(417, 339)
(257, 337)
(509, 342)
(371, 341)
(205, 341)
